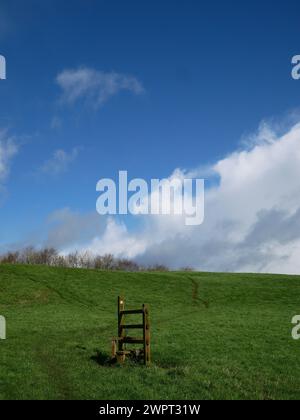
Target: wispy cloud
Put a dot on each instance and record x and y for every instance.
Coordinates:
(60, 161)
(8, 149)
(56, 123)
(95, 86)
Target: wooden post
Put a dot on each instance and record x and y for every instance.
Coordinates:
(121, 331)
(146, 335)
(114, 349)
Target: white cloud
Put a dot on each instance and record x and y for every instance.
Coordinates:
(59, 162)
(252, 217)
(118, 241)
(8, 149)
(95, 86)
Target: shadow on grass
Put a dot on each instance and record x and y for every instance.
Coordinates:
(103, 359)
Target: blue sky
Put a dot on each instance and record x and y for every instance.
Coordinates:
(210, 73)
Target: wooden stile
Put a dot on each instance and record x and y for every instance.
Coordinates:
(119, 350)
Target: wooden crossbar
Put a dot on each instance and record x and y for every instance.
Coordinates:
(132, 312)
(132, 340)
(133, 326)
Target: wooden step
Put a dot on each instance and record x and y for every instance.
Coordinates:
(131, 340)
(133, 326)
(132, 312)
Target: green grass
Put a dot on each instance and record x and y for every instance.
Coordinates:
(214, 336)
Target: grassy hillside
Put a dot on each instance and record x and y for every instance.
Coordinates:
(213, 335)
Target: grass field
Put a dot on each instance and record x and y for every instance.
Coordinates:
(214, 336)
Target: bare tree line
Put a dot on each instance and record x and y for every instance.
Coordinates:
(52, 258)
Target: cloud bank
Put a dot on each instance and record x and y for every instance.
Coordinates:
(252, 216)
(95, 86)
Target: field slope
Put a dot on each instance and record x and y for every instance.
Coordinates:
(214, 336)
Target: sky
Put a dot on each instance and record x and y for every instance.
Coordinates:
(152, 87)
